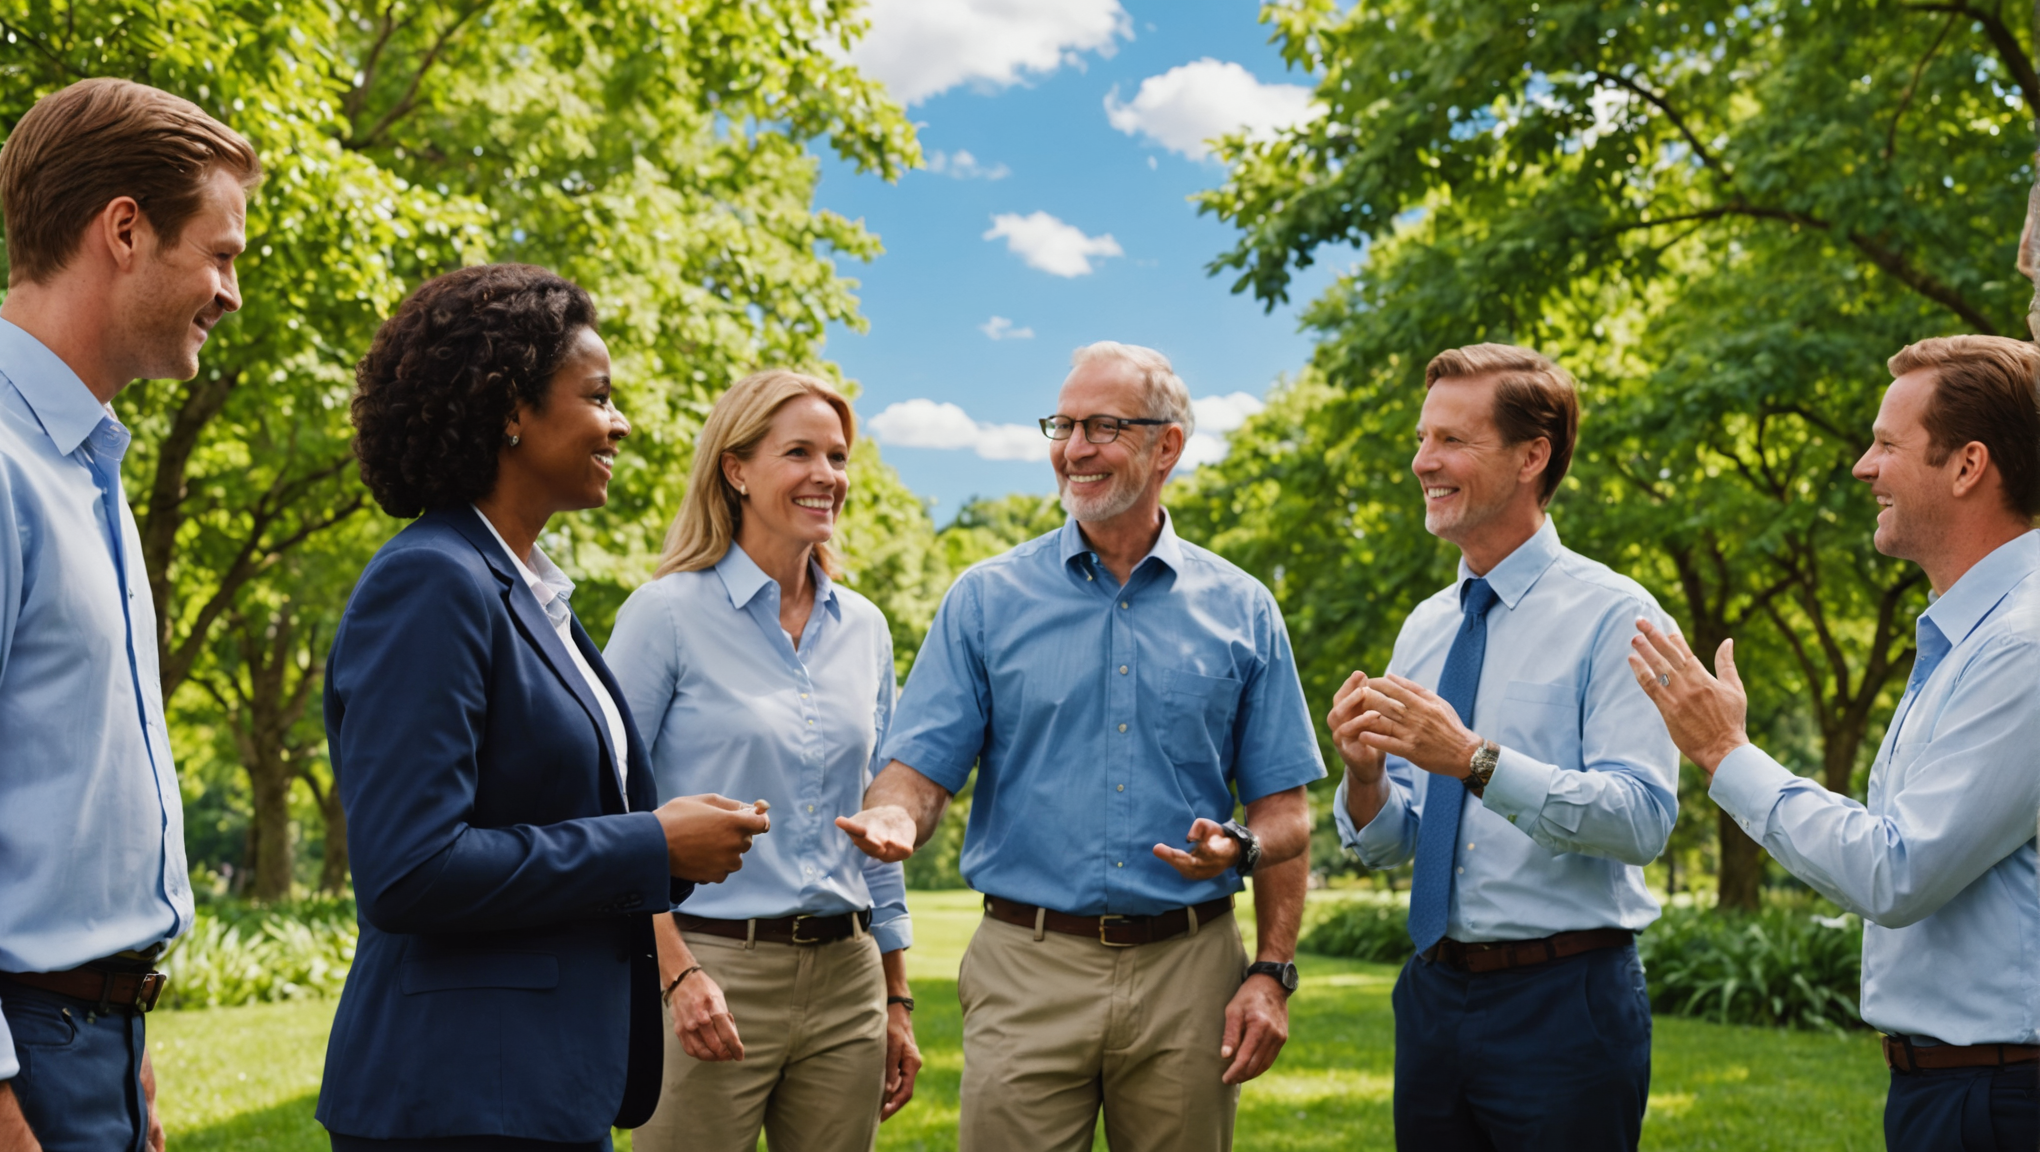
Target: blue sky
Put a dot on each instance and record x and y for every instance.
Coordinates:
(1066, 129)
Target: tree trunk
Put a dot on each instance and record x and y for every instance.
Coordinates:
(1741, 878)
(269, 783)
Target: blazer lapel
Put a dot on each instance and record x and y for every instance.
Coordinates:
(538, 630)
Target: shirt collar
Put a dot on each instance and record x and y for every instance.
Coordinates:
(1513, 578)
(743, 579)
(1168, 546)
(67, 409)
(1960, 609)
(542, 576)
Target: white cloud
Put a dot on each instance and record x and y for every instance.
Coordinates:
(1217, 415)
(961, 165)
(1047, 243)
(1192, 103)
(927, 424)
(919, 48)
(1000, 328)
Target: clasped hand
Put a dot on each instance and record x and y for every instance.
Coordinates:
(707, 835)
(1373, 718)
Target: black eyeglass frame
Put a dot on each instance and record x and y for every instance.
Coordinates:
(1119, 424)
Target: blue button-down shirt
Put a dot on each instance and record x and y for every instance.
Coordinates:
(1102, 719)
(727, 704)
(91, 826)
(1585, 792)
(1942, 860)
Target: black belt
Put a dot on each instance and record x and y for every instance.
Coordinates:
(104, 987)
(782, 929)
(1111, 929)
(1504, 954)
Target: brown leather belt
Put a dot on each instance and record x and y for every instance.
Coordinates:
(1111, 929)
(106, 989)
(1902, 1055)
(1500, 955)
(782, 929)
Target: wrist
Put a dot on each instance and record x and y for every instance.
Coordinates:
(1710, 758)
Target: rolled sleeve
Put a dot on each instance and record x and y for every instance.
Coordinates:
(1277, 744)
(938, 729)
(890, 924)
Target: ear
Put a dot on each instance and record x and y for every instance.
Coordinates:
(1169, 448)
(122, 232)
(1972, 468)
(733, 470)
(1536, 454)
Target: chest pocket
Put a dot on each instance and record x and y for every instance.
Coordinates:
(1541, 720)
(1197, 717)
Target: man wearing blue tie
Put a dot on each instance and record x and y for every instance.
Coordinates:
(1941, 861)
(1510, 753)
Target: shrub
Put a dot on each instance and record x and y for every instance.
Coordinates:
(1786, 966)
(1362, 926)
(242, 954)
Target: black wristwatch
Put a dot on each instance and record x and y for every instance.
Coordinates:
(1283, 974)
(1250, 846)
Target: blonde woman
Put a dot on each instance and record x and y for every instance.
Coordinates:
(754, 674)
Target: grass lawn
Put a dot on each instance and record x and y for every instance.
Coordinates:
(247, 1078)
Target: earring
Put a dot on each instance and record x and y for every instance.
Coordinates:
(514, 438)
(743, 490)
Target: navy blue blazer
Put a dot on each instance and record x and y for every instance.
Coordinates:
(506, 982)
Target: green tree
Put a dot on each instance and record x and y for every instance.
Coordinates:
(1721, 216)
(657, 151)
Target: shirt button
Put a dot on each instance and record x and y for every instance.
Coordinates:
(1119, 864)
(803, 695)
(1122, 727)
(1088, 576)
(1122, 669)
(810, 807)
(1122, 603)
(1122, 787)
(1469, 845)
(1461, 871)
(810, 723)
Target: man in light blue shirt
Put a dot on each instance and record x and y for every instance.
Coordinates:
(1941, 861)
(1508, 752)
(92, 874)
(1116, 689)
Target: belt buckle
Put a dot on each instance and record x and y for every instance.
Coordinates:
(151, 987)
(795, 930)
(1111, 920)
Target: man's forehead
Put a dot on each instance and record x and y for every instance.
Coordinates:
(1460, 401)
(1101, 379)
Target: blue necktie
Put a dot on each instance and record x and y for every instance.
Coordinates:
(1931, 647)
(1444, 797)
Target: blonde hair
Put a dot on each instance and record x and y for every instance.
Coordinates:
(713, 510)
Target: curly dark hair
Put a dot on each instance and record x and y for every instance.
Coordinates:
(444, 375)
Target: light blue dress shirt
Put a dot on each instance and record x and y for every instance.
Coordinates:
(1103, 719)
(726, 704)
(91, 825)
(1941, 862)
(1586, 790)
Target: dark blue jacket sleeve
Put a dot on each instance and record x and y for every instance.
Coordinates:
(408, 692)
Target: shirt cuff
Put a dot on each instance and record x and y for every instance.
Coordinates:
(1747, 783)
(930, 763)
(1381, 844)
(1267, 783)
(1519, 786)
(894, 934)
(9, 1066)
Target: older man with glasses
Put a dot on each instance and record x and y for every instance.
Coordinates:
(1115, 687)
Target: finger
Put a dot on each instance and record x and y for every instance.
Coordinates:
(1652, 656)
(1352, 683)
(756, 823)
(1236, 1072)
(1417, 691)
(855, 826)
(1168, 854)
(1231, 1037)
(1678, 641)
(1660, 643)
(1724, 665)
(1389, 744)
(1645, 678)
(1385, 695)
(1265, 1052)
(717, 800)
(761, 806)
(726, 1030)
(702, 1043)
(1203, 829)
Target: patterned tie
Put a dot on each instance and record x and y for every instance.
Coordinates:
(1444, 797)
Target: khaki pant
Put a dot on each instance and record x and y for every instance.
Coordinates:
(1057, 1026)
(812, 1018)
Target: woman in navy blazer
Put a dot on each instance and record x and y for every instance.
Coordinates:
(508, 850)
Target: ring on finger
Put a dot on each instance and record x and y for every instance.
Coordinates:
(1664, 679)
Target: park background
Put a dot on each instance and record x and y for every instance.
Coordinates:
(1722, 217)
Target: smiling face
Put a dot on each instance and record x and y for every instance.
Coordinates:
(566, 450)
(797, 476)
(1473, 481)
(179, 290)
(1100, 481)
(1913, 494)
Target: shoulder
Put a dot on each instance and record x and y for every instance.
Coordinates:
(1442, 605)
(1210, 571)
(427, 554)
(860, 613)
(679, 591)
(1018, 566)
(1602, 588)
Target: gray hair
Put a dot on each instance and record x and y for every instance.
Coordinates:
(1163, 392)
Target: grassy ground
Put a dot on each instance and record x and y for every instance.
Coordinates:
(246, 1079)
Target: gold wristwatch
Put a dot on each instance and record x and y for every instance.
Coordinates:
(1482, 768)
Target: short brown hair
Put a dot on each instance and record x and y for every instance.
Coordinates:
(82, 147)
(1984, 392)
(1533, 397)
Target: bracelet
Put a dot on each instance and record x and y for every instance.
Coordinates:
(666, 997)
(907, 1000)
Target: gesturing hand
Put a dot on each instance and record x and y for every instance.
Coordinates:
(702, 1020)
(1411, 721)
(707, 836)
(1349, 709)
(1706, 715)
(1212, 851)
(885, 832)
(1256, 1028)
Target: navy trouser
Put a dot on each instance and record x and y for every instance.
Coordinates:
(1555, 1056)
(1964, 1110)
(80, 1084)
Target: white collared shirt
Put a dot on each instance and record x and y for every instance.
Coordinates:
(547, 582)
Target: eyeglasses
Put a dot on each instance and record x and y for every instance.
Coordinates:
(1097, 429)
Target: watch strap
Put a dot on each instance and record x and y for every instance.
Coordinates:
(1283, 974)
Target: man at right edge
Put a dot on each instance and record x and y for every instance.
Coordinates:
(1941, 861)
